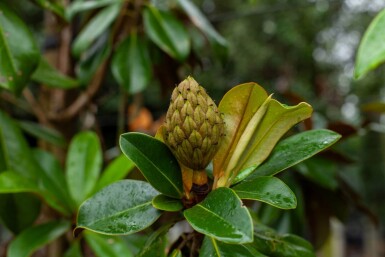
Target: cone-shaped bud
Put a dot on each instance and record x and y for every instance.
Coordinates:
(193, 126)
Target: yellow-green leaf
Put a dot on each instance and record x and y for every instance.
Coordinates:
(254, 124)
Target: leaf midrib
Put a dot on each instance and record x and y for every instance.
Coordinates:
(266, 133)
(226, 160)
(118, 213)
(153, 164)
(219, 217)
(267, 164)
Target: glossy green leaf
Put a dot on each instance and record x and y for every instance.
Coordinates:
(16, 152)
(270, 190)
(167, 32)
(121, 208)
(155, 161)
(74, 250)
(53, 6)
(81, 6)
(131, 65)
(18, 60)
(268, 242)
(116, 170)
(83, 165)
(254, 124)
(53, 184)
(19, 211)
(94, 28)
(34, 238)
(44, 133)
(156, 244)
(222, 216)
(107, 246)
(165, 203)
(176, 253)
(371, 52)
(214, 248)
(306, 145)
(51, 77)
(12, 182)
(321, 171)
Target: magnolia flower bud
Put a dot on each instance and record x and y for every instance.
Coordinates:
(194, 126)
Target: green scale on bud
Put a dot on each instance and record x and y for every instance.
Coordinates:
(194, 126)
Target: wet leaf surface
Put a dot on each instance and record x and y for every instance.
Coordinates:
(120, 208)
(270, 190)
(222, 216)
(295, 149)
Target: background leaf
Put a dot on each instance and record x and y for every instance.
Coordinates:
(53, 183)
(33, 238)
(176, 253)
(52, 6)
(268, 242)
(214, 248)
(49, 76)
(321, 171)
(74, 250)
(156, 244)
(90, 62)
(121, 208)
(378, 107)
(44, 133)
(116, 170)
(106, 246)
(81, 6)
(371, 52)
(155, 161)
(270, 190)
(306, 145)
(12, 182)
(202, 23)
(19, 211)
(131, 65)
(222, 216)
(83, 165)
(94, 28)
(167, 32)
(17, 61)
(16, 152)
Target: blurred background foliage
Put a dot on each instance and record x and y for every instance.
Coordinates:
(302, 50)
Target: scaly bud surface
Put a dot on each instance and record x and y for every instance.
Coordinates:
(194, 126)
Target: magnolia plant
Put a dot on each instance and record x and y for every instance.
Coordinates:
(202, 203)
